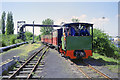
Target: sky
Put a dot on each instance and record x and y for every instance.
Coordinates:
(91, 12)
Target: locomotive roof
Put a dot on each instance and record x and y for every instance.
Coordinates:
(76, 24)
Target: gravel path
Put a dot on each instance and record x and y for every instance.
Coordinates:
(57, 67)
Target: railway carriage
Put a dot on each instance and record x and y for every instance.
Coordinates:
(75, 46)
(57, 34)
(47, 39)
(42, 38)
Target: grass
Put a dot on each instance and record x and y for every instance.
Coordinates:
(12, 49)
(28, 48)
(25, 49)
(112, 67)
(98, 56)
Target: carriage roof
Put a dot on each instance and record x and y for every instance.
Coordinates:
(77, 24)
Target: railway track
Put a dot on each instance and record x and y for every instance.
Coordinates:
(28, 68)
(90, 72)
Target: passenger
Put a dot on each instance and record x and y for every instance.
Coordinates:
(77, 31)
(64, 36)
(84, 32)
(87, 33)
(68, 32)
(72, 31)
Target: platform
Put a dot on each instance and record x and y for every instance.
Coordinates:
(57, 66)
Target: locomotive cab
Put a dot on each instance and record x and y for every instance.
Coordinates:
(77, 40)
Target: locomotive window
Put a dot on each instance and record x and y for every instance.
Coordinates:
(84, 30)
(88, 28)
(78, 30)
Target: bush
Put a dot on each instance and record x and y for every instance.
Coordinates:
(28, 35)
(3, 43)
(9, 40)
(18, 41)
(12, 39)
(37, 38)
(103, 45)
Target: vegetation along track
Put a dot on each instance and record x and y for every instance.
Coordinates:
(89, 71)
(28, 68)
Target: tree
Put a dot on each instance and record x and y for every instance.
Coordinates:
(47, 30)
(75, 20)
(0, 27)
(3, 22)
(10, 24)
(103, 45)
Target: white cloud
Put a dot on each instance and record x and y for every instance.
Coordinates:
(65, 20)
(94, 20)
(99, 22)
(118, 16)
(82, 18)
(62, 20)
(59, 21)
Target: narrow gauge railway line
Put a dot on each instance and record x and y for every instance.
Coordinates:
(89, 71)
(28, 68)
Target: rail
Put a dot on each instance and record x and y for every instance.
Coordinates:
(15, 74)
(89, 66)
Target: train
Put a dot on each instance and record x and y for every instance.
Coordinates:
(71, 40)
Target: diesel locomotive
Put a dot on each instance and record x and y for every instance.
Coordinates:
(73, 40)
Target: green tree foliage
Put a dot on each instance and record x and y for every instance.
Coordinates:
(0, 27)
(10, 24)
(3, 22)
(37, 38)
(28, 35)
(9, 40)
(75, 20)
(47, 30)
(103, 45)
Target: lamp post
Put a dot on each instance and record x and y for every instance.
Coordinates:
(103, 19)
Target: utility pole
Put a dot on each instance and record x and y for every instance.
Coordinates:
(33, 32)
